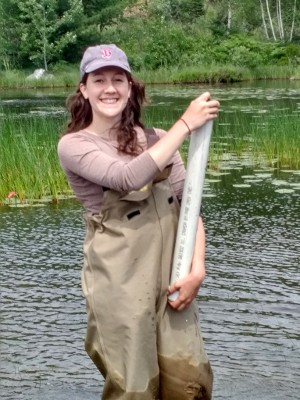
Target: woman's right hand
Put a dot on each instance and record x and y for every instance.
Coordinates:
(201, 110)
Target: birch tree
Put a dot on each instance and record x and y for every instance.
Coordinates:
(293, 23)
(270, 20)
(279, 19)
(229, 18)
(39, 24)
(263, 19)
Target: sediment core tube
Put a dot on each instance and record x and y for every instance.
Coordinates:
(191, 203)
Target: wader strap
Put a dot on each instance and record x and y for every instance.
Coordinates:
(152, 137)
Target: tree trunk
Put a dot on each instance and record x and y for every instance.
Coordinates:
(270, 19)
(279, 18)
(229, 18)
(263, 19)
(293, 23)
(44, 39)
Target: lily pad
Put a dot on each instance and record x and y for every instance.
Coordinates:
(241, 185)
(278, 182)
(213, 173)
(265, 169)
(263, 175)
(284, 190)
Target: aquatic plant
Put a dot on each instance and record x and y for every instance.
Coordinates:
(29, 161)
(199, 73)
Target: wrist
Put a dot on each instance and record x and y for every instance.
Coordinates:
(199, 272)
(182, 128)
(186, 124)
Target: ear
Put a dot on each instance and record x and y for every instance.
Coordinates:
(130, 88)
(83, 90)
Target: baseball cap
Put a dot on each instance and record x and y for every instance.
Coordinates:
(104, 55)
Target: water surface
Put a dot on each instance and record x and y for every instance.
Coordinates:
(249, 303)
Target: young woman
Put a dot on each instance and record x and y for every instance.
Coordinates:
(130, 181)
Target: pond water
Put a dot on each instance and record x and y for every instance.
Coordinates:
(249, 303)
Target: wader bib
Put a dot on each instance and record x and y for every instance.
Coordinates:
(144, 348)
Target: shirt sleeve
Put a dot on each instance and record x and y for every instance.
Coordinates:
(177, 175)
(82, 156)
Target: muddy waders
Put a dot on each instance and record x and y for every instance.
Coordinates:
(142, 346)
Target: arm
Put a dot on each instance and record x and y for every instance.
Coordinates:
(84, 158)
(189, 286)
(200, 111)
(177, 175)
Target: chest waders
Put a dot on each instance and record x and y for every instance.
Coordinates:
(144, 348)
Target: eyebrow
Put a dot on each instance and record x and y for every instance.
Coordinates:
(102, 74)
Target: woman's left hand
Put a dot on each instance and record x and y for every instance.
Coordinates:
(188, 288)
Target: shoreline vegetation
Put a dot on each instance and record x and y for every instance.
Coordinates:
(214, 73)
(29, 164)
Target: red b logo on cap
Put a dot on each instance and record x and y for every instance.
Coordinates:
(106, 53)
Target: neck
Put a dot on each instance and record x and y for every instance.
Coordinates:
(104, 128)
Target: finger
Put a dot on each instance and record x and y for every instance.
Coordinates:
(182, 307)
(176, 303)
(213, 103)
(204, 96)
(172, 289)
(214, 110)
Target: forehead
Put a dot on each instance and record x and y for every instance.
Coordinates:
(108, 71)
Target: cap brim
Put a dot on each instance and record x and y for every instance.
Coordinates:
(93, 66)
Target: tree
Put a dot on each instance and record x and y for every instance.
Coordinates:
(293, 23)
(229, 17)
(101, 13)
(9, 34)
(270, 20)
(263, 19)
(40, 25)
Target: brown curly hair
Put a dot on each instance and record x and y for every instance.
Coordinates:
(82, 116)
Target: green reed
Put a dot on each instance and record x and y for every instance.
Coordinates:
(270, 139)
(18, 79)
(69, 75)
(262, 139)
(29, 163)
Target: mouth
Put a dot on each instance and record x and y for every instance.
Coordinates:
(109, 101)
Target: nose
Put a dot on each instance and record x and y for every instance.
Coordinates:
(110, 87)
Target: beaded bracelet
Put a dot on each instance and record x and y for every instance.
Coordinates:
(181, 119)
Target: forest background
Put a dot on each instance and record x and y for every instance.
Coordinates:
(176, 35)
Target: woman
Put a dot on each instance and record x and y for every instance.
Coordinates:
(130, 182)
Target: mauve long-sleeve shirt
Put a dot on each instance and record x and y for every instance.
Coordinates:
(92, 162)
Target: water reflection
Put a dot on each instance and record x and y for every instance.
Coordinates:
(249, 303)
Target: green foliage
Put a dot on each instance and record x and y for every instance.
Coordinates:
(160, 33)
(210, 74)
(45, 34)
(185, 11)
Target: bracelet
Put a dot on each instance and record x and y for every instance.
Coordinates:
(181, 119)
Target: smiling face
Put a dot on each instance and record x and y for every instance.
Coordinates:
(108, 91)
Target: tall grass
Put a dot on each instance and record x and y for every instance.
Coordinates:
(69, 76)
(229, 73)
(275, 141)
(18, 79)
(29, 164)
